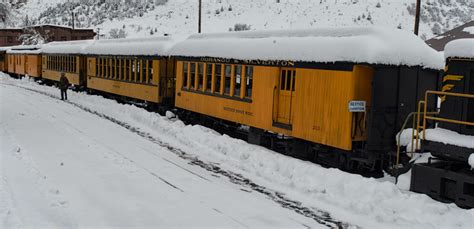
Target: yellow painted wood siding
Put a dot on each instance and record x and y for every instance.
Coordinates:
(320, 110)
(33, 65)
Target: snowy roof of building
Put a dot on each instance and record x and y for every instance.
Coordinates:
(460, 48)
(374, 45)
(25, 49)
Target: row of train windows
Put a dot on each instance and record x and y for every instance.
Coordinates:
(131, 70)
(61, 63)
(223, 79)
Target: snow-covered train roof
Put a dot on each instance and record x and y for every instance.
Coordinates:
(66, 47)
(150, 46)
(25, 49)
(460, 48)
(374, 45)
(4, 49)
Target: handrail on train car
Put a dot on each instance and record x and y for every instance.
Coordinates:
(439, 119)
(427, 115)
(414, 131)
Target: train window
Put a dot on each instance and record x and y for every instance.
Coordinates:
(288, 80)
(138, 77)
(237, 79)
(227, 71)
(282, 79)
(101, 67)
(111, 68)
(106, 68)
(116, 66)
(133, 69)
(150, 71)
(144, 71)
(208, 77)
(185, 74)
(293, 80)
(127, 69)
(217, 78)
(97, 62)
(200, 76)
(118, 69)
(122, 69)
(192, 76)
(249, 81)
(102, 61)
(108, 73)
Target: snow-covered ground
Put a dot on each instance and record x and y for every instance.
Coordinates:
(93, 162)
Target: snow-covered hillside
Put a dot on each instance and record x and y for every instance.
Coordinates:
(155, 17)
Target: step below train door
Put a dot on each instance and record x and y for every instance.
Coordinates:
(284, 95)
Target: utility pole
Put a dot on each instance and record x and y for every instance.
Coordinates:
(417, 16)
(199, 19)
(73, 22)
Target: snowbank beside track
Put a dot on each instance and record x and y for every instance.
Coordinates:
(362, 201)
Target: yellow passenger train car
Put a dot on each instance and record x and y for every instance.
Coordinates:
(133, 68)
(65, 57)
(24, 61)
(314, 107)
(3, 59)
(302, 85)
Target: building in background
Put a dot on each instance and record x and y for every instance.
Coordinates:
(10, 37)
(463, 31)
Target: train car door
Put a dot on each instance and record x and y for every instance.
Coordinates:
(286, 92)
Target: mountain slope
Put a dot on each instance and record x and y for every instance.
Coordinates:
(152, 17)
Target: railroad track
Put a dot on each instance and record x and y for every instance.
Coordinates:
(320, 216)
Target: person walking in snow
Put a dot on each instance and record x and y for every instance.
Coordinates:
(63, 85)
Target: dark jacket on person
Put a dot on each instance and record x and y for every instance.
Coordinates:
(63, 83)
